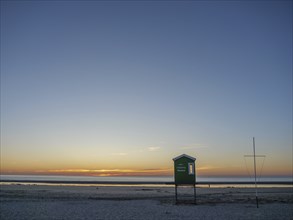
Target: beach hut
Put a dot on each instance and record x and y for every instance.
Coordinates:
(184, 173)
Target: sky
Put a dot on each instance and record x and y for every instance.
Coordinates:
(109, 88)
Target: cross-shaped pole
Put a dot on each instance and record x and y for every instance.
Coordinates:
(255, 183)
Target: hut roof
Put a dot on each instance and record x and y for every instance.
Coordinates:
(184, 155)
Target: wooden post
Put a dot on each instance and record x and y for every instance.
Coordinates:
(194, 191)
(256, 197)
(194, 184)
(176, 193)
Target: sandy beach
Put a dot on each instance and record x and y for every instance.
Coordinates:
(32, 201)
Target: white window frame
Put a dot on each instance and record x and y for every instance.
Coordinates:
(191, 168)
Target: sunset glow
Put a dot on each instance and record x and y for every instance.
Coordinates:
(98, 88)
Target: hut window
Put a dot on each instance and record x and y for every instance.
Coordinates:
(190, 169)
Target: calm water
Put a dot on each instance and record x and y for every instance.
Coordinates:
(134, 179)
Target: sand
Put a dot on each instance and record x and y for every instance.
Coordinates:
(141, 202)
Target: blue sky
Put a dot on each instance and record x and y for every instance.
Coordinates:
(144, 81)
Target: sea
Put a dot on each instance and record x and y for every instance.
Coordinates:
(82, 180)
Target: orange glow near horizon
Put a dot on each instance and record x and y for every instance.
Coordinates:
(204, 171)
(114, 172)
(147, 162)
(93, 172)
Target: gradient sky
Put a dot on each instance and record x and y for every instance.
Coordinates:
(122, 87)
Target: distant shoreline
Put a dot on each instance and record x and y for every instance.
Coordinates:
(148, 182)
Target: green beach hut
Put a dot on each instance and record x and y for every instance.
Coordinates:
(184, 172)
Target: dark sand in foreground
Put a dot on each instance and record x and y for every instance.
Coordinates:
(141, 202)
